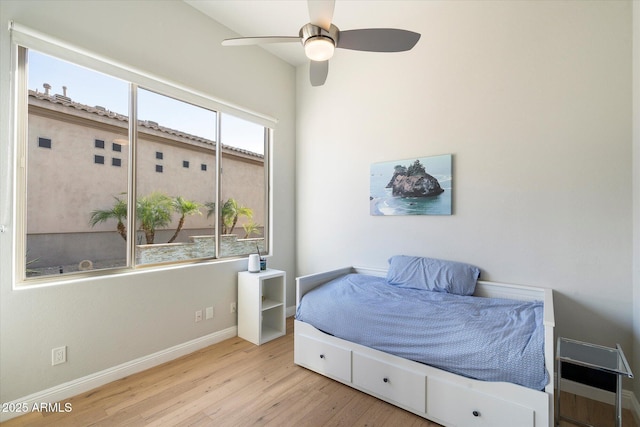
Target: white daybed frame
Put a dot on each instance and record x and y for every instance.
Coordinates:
(441, 396)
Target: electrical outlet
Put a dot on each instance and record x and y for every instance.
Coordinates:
(199, 316)
(233, 308)
(209, 313)
(58, 355)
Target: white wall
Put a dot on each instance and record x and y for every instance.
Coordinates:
(636, 193)
(533, 99)
(110, 321)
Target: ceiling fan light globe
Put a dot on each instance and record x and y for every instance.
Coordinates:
(319, 48)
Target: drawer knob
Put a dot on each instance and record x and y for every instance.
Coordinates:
(385, 379)
(322, 356)
(476, 413)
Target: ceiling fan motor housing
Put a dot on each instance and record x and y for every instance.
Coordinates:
(312, 34)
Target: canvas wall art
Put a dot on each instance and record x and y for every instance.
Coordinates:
(420, 186)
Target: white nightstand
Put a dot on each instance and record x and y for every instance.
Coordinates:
(261, 305)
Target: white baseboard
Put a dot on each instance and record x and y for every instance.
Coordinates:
(629, 400)
(89, 382)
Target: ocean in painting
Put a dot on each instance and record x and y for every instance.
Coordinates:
(383, 203)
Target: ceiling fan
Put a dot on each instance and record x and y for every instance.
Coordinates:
(320, 37)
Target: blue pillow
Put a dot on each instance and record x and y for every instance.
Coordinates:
(432, 274)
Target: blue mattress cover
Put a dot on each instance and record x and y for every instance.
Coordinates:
(487, 339)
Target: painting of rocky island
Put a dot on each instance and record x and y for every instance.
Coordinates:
(420, 186)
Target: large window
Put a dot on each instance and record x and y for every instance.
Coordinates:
(108, 179)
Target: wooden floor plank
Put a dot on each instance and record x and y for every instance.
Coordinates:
(236, 383)
(591, 412)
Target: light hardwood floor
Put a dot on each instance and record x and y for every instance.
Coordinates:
(235, 383)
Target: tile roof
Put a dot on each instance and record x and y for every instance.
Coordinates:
(101, 111)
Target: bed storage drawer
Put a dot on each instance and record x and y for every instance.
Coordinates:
(390, 382)
(460, 406)
(327, 359)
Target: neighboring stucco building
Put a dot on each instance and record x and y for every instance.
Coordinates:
(78, 163)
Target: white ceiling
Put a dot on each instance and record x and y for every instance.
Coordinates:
(286, 17)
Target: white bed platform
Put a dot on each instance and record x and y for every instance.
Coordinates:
(440, 396)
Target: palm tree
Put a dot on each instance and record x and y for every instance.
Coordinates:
(118, 212)
(153, 211)
(231, 210)
(250, 228)
(184, 207)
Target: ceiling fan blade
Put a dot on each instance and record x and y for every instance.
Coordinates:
(318, 71)
(321, 12)
(247, 41)
(378, 40)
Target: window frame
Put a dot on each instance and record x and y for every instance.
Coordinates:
(24, 39)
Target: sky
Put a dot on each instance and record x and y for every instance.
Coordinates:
(93, 88)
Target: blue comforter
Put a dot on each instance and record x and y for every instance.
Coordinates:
(482, 338)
